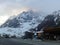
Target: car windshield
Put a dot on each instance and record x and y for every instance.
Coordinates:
(29, 22)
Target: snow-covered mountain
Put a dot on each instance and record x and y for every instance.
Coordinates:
(22, 22)
(51, 20)
(17, 25)
(30, 17)
(57, 17)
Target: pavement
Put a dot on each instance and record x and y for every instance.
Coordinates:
(12, 41)
(38, 42)
(7, 41)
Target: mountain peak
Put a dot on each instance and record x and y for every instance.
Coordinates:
(28, 11)
(56, 13)
(28, 16)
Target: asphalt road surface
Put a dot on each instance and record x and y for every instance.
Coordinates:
(5, 41)
(11, 41)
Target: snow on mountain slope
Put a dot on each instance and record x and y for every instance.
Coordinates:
(57, 16)
(22, 22)
(51, 20)
(11, 31)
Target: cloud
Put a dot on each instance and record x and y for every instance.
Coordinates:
(14, 7)
(3, 19)
(7, 6)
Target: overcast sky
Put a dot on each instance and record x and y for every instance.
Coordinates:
(14, 7)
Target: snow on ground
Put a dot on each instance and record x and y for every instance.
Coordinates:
(10, 31)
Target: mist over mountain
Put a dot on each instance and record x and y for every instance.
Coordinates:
(29, 16)
(22, 22)
(17, 25)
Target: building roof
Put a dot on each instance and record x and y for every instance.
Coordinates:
(51, 29)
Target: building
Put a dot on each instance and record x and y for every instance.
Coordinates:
(52, 33)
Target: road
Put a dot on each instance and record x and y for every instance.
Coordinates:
(5, 41)
(11, 41)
